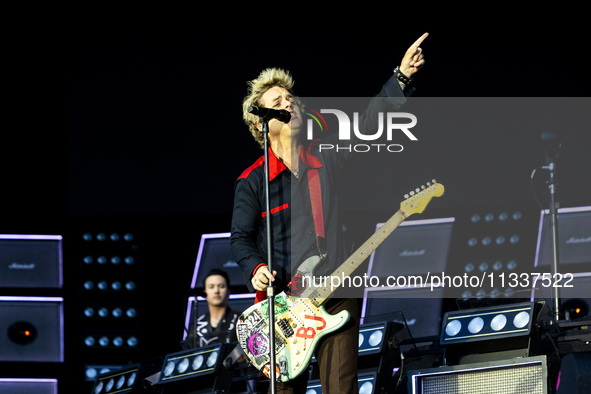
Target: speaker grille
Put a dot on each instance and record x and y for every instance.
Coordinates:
(510, 377)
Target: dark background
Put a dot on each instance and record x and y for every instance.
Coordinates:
(151, 138)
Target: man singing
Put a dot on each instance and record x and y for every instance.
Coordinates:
(295, 222)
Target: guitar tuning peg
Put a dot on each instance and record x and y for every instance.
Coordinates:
(423, 187)
(417, 190)
(412, 193)
(406, 196)
(434, 181)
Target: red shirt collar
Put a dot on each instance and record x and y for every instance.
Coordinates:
(276, 166)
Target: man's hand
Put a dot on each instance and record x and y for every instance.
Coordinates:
(261, 278)
(413, 58)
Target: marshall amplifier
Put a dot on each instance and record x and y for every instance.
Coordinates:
(27, 386)
(31, 329)
(527, 375)
(30, 261)
(574, 240)
(417, 247)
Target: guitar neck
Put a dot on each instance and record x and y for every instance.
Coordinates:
(321, 294)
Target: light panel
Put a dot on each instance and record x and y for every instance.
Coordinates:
(103, 340)
(120, 381)
(366, 384)
(487, 323)
(372, 338)
(192, 363)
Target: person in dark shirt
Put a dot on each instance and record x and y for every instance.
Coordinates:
(219, 322)
(295, 235)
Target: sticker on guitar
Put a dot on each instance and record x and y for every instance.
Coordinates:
(310, 332)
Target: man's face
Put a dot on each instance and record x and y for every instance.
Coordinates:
(279, 98)
(216, 290)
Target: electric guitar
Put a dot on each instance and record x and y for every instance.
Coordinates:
(301, 320)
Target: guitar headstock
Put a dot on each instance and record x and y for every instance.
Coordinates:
(417, 200)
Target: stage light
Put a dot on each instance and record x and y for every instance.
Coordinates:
(453, 328)
(120, 381)
(492, 333)
(371, 338)
(499, 322)
(192, 363)
(116, 379)
(203, 367)
(475, 325)
(97, 341)
(111, 312)
(521, 319)
(91, 372)
(366, 384)
(487, 323)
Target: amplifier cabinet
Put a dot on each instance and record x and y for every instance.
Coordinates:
(526, 375)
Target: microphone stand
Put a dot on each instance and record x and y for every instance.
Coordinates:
(270, 288)
(554, 237)
(552, 144)
(194, 321)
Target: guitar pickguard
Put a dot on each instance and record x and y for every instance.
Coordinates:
(299, 326)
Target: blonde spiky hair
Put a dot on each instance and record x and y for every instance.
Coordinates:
(267, 79)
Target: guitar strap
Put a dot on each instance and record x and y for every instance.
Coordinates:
(317, 212)
(317, 215)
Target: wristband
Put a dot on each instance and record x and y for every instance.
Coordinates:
(401, 77)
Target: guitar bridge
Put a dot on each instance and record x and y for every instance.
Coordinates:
(285, 328)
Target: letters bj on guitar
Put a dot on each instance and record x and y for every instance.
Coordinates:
(301, 321)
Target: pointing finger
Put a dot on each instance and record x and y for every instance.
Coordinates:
(418, 42)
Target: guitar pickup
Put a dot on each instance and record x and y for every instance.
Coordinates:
(285, 328)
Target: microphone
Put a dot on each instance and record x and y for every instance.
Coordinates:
(551, 143)
(269, 113)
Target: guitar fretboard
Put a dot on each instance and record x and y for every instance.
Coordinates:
(321, 294)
